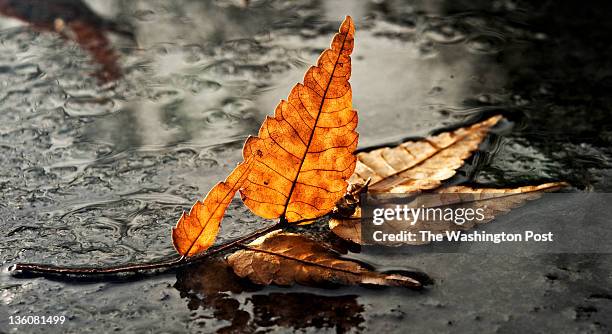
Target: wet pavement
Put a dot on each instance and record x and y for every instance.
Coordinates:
(117, 116)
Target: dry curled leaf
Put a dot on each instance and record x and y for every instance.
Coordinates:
(196, 231)
(304, 154)
(418, 165)
(286, 258)
(494, 201)
(414, 166)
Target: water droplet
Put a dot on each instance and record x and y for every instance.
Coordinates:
(89, 106)
(144, 15)
(435, 90)
(218, 118)
(445, 34)
(487, 44)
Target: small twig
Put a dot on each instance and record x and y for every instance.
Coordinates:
(36, 269)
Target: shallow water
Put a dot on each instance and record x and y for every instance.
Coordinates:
(97, 164)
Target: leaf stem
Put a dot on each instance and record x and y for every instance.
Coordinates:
(37, 269)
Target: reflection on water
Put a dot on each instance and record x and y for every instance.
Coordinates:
(72, 20)
(97, 171)
(213, 287)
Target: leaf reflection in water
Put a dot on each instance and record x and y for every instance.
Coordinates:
(212, 284)
(73, 20)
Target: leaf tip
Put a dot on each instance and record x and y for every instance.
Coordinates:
(493, 120)
(403, 281)
(553, 186)
(348, 26)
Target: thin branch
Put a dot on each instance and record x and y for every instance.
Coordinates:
(36, 269)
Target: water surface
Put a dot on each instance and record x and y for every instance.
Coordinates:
(103, 145)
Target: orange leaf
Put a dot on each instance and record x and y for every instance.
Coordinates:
(304, 154)
(195, 232)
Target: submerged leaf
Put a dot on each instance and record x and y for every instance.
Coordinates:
(76, 21)
(418, 165)
(286, 258)
(304, 154)
(99, 47)
(494, 201)
(196, 231)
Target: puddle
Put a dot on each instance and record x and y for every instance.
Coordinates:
(103, 144)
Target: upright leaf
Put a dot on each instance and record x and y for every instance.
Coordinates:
(304, 154)
(196, 231)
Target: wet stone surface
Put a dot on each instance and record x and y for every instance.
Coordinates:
(97, 163)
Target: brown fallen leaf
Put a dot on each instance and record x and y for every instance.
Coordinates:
(286, 258)
(196, 231)
(495, 201)
(304, 154)
(418, 165)
(72, 20)
(94, 41)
